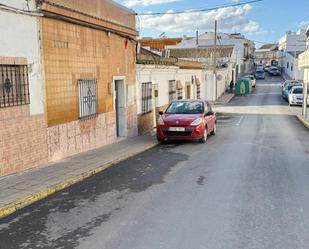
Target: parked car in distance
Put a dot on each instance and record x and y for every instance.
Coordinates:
(259, 67)
(187, 119)
(287, 88)
(259, 74)
(296, 96)
(251, 78)
(274, 71)
(266, 68)
(290, 82)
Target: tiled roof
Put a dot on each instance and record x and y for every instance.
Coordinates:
(206, 52)
(267, 46)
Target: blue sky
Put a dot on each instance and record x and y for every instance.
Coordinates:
(264, 21)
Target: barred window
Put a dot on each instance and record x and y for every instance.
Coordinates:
(180, 93)
(171, 90)
(146, 97)
(87, 89)
(198, 91)
(14, 85)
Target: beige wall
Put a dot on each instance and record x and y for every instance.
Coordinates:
(73, 52)
(22, 139)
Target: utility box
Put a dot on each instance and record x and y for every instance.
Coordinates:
(243, 87)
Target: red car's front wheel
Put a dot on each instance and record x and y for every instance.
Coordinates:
(205, 136)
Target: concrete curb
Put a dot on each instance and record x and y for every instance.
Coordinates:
(303, 121)
(32, 198)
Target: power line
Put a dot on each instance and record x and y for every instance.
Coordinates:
(260, 42)
(199, 10)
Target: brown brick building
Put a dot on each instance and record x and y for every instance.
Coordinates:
(86, 64)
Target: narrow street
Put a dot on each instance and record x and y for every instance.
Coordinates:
(246, 188)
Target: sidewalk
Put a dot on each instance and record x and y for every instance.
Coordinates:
(23, 189)
(224, 99)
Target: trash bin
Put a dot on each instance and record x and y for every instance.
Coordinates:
(242, 87)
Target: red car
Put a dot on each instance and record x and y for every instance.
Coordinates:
(187, 119)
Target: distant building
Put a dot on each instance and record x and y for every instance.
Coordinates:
(293, 41)
(234, 58)
(291, 45)
(266, 54)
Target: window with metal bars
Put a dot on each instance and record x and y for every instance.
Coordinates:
(198, 91)
(87, 89)
(180, 93)
(146, 97)
(171, 90)
(14, 85)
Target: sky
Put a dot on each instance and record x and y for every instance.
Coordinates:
(264, 21)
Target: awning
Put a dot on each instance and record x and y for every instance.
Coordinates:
(178, 84)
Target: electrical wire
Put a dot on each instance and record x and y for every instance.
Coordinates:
(19, 11)
(198, 10)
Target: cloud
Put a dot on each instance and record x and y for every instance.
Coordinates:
(132, 3)
(229, 18)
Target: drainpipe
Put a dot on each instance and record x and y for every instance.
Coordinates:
(197, 41)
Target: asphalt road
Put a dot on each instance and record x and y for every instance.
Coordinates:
(246, 188)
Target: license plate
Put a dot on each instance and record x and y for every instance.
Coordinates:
(177, 129)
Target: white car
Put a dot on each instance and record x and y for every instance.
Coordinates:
(296, 96)
(251, 78)
(290, 82)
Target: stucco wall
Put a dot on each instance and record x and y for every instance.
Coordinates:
(23, 138)
(159, 75)
(20, 38)
(292, 70)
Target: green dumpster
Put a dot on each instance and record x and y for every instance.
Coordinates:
(242, 87)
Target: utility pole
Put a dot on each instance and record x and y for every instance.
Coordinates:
(215, 62)
(305, 93)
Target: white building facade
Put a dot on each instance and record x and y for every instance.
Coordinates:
(293, 41)
(158, 85)
(289, 65)
(23, 120)
(242, 49)
(291, 45)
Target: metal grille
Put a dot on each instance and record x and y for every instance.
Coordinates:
(198, 91)
(87, 98)
(146, 97)
(179, 93)
(172, 90)
(14, 85)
